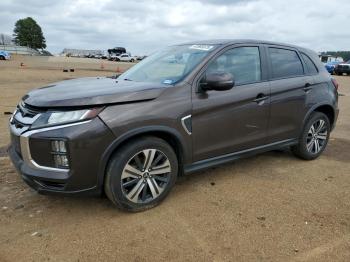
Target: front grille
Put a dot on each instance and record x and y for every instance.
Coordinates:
(24, 117)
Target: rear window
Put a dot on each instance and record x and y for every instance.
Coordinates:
(285, 63)
(311, 68)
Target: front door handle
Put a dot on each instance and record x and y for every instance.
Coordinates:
(307, 87)
(260, 97)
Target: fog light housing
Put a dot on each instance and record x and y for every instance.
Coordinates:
(59, 152)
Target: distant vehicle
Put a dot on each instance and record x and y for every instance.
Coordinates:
(4, 55)
(125, 58)
(139, 58)
(343, 68)
(116, 51)
(328, 58)
(331, 66)
(45, 53)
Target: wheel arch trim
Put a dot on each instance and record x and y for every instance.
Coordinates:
(135, 133)
(313, 109)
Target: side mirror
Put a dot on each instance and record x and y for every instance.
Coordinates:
(218, 81)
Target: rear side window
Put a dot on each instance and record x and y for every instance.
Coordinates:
(311, 68)
(285, 63)
(242, 62)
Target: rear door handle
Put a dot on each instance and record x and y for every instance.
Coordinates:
(260, 97)
(307, 87)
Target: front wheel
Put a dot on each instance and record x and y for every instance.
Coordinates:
(314, 137)
(141, 174)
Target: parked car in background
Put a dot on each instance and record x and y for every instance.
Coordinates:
(133, 137)
(125, 58)
(343, 68)
(4, 55)
(331, 66)
(114, 52)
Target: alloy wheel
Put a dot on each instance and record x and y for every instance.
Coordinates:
(317, 136)
(145, 176)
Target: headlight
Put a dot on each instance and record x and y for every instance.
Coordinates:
(51, 118)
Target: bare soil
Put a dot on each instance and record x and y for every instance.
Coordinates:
(271, 207)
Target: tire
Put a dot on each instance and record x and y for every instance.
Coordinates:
(306, 148)
(131, 189)
(339, 74)
(132, 60)
(2, 57)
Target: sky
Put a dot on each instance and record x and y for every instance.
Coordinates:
(143, 26)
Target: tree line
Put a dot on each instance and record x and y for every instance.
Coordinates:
(344, 54)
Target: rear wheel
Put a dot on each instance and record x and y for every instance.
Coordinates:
(314, 138)
(141, 174)
(2, 57)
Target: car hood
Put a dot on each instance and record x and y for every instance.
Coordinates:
(92, 91)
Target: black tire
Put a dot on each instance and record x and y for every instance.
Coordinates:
(339, 74)
(115, 188)
(132, 60)
(2, 57)
(301, 149)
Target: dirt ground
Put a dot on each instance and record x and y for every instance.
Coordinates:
(272, 207)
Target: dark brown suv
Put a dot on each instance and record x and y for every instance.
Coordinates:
(183, 109)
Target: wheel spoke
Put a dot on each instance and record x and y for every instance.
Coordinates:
(154, 187)
(309, 146)
(160, 178)
(131, 182)
(156, 161)
(144, 192)
(138, 162)
(322, 137)
(149, 155)
(312, 130)
(317, 146)
(162, 169)
(135, 192)
(320, 126)
(130, 171)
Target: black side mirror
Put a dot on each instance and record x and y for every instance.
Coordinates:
(218, 81)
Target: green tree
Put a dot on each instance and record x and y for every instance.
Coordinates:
(28, 33)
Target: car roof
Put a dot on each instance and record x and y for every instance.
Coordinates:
(242, 41)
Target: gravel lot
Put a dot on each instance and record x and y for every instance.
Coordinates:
(272, 207)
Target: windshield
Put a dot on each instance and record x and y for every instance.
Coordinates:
(168, 66)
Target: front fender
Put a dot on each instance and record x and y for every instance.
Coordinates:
(147, 130)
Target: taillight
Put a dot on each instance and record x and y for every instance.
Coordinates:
(335, 83)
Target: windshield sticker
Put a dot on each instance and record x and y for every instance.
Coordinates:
(168, 82)
(201, 47)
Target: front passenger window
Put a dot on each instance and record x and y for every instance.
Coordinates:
(242, 62)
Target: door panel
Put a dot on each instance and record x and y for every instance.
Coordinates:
(229, 121)
(288, 99)
(289, 89)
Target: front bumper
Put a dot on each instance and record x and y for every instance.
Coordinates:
(86, 141)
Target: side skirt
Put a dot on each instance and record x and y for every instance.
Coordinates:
(215, 161)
